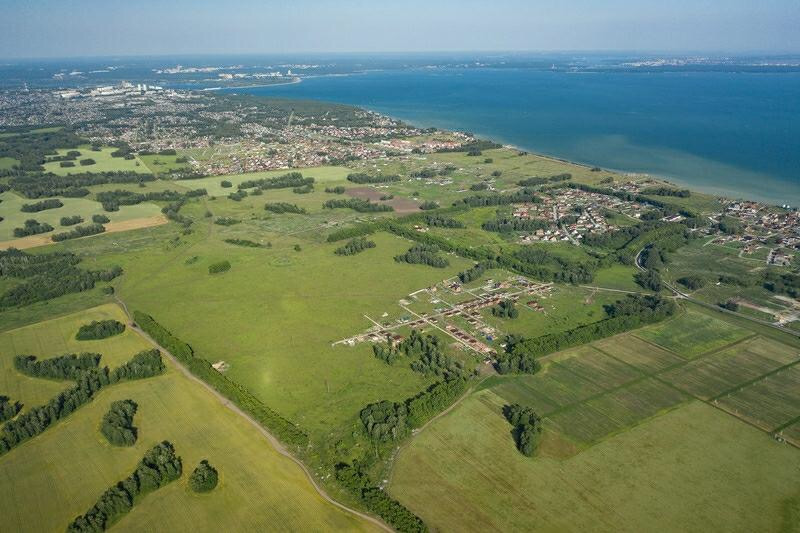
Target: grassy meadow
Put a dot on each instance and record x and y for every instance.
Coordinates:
(59, 474)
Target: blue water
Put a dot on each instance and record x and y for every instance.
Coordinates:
(736, 134)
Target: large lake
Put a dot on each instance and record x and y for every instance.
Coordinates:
(736, 134)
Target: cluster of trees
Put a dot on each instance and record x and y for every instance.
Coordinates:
(285, 181)
(787, 283)
(238, 196)
(112, 200)
(88, 383)
(692, 282)
(71, 221)
(225, 184)
(159, 467)
(41, 185)
(335, 190)
(99, 329)
(87, 162)
(472, 146)
(67, 366)
(527, 427)
(32, 227)
(649, 279)
(357, 204)
(426, 354)
(667, 191)
(356, 480)
(285, 430)
(357, 230)
(8, 409)
(355, 246)
(204, 478)
(429, 205)
(730, 305)
(226, 221)
(30, 148)
(510, 224)
(79, 231)
(100, 219)
(423, 254)
(305, 189)
(623, 315)
(521, 196)
(472, 273)
(361, 177)
(538, 180)
(219, 267)
(505, 309)
(443, 222)
(53, 203)
(117, 425)
(243, 242)
(284, 207)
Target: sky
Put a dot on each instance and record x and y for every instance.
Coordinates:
(81, 28)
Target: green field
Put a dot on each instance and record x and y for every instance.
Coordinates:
(59, 474)
(103, 163)
(6, 163)
(692, 333)
(683, 471)
(14, 218)
(162, 164)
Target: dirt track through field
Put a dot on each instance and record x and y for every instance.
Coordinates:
(279, 447)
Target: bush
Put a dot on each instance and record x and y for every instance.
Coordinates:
(100, 219)
(71, 221)
(226, 184)
(219, 267)
(87, 162)
(204, 478)
(426, 206)
(101, 329)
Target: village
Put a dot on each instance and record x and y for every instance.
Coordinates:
(454, 310)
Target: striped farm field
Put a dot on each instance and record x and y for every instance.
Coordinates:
(642, 355)
(693, 333)
(769, 402)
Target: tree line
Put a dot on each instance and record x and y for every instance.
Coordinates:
(284, 207)
(285, 181)
(362, 177)
(159, 467)
(510, 224)
(31, 423)
(441, 221)
(522, 196)
(79, 231)
(357, 204)
(52, 203)
(8, 409)
(67, 366)
(32, 227)
(355, 246)
(423, 254)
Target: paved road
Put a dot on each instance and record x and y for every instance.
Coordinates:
(281, 449)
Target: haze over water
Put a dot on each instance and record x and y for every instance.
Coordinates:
(735, 134)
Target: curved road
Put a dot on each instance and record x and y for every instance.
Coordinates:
(279, 447)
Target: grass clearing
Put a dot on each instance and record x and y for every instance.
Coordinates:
(682, 471)
(691, 334)
(50, 479)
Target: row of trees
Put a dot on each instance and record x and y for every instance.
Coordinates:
(285, 181)
(32, 227)
(667, 191)
(243, 242)
(357, 204)
(423, 254)
(355, 246)
(159, 467)
(72, 185)
(442, 221)
(361, 177)
(99, 329)
(52, 203)
(89, 382)
(284, 207)
(67, 366)
(510, 224)
(472, 273)
(79, 231)
(285, 430)
(117, 425)
(522, 196)
(539, 180)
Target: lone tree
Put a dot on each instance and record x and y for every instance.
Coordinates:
(204, 478)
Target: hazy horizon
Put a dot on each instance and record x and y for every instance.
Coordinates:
(89, 28)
